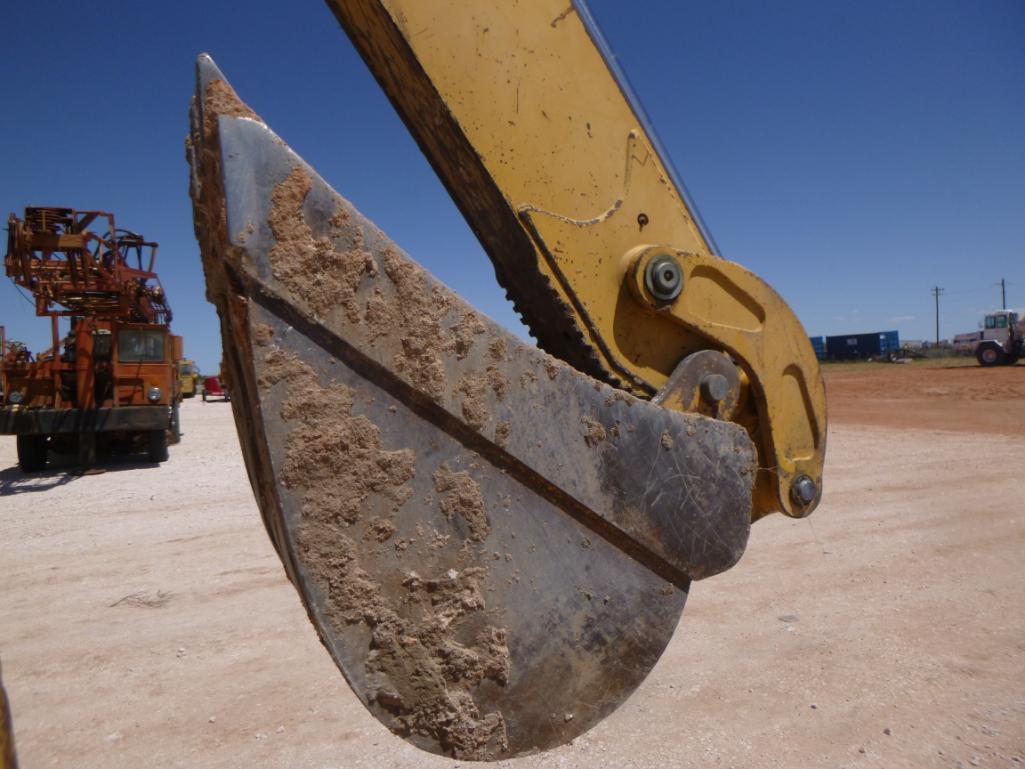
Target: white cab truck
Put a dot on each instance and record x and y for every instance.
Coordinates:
(999, 342)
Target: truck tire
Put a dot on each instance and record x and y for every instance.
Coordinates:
(174, 431)
(990, 355)
(32, 451)
(86, 450)
(157, 446)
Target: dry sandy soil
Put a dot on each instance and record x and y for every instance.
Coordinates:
(145, 620)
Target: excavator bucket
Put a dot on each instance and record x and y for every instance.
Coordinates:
(494, 548)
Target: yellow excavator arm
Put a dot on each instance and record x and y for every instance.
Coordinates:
(521, 114)
(494, 546)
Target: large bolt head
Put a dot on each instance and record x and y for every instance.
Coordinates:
(714, 387)
(803, 490)
(663, 277)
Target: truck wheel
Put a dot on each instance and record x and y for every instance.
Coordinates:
(32, 453)
(990, 355)
(204, 396)
(174, 431)
(158, 446)
(86, 450)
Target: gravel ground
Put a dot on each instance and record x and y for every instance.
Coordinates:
(145, 620)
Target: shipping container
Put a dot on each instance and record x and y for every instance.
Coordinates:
(818, 344)
(889, 341)
(862, 346)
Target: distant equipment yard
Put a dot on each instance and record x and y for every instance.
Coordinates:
(112, 381)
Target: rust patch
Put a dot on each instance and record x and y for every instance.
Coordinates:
(461, 495)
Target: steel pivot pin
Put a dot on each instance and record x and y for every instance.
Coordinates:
(803, 490)
(663, 277)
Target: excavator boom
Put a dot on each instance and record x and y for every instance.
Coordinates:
(533, 133)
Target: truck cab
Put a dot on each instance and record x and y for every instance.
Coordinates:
(1000, 339)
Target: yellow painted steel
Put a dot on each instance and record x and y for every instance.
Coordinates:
(526, 85)
(8, 755)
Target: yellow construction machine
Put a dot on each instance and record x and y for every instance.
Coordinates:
(494, 541)
(188, 377)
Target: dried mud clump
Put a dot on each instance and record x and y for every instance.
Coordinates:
(497, 349)
(379, 529)
(502, 431)
(551, 368)
(461, 495)
(415, 313)
(463, 333)
(473, 388)
(424, 677)
(418, 668)
(497, 382)
(618, 396)
(202, 150)
(332, 453)
(427, 646)
(263, 334)
(667, 440)
(311, 268)
(594, 431)
(220, 99)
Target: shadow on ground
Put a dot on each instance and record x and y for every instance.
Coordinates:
(62, 470)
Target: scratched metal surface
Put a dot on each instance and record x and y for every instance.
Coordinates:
(599, 508)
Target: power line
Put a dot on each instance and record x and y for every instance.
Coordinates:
(24, 296)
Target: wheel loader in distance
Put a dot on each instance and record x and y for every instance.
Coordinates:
(495, 542)
(1000, 340)
(111, 381)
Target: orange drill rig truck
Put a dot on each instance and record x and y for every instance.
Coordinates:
(110, 382)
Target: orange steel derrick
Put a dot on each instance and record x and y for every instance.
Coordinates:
(59, 255)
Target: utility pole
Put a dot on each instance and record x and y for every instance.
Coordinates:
(936, 294)
(1003, 293)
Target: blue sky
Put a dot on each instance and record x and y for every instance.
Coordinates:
(852, 154)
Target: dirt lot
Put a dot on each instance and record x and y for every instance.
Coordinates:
(145, 621)
(945, 394)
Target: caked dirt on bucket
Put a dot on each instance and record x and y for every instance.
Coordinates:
(428, 644)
